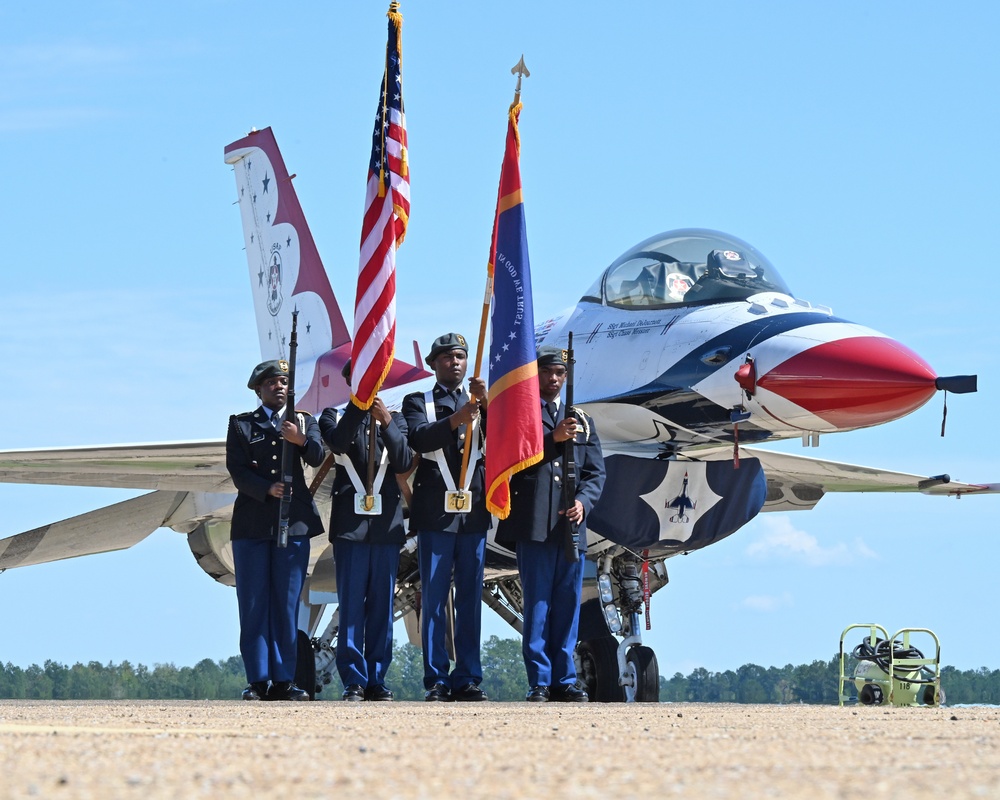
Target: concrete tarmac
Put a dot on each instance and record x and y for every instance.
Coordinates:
(182, 749)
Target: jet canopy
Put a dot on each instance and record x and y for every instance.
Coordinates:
(685, 267)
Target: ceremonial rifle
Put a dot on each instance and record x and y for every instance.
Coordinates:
(289, 451)
(571, 529)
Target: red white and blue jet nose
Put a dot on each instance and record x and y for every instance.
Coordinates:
(848, 383)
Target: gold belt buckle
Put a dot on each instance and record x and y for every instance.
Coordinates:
(458, 502)
(368, 504)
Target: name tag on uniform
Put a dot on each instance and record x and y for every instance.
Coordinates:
(370, 504)
(457, 502)
(256, 437)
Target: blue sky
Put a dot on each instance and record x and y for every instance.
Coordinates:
(852, 143)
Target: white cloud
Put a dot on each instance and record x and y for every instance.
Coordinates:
(863, 550)
(64, 56)
(782, 541)
(766, 603)
(42, 119)
(133, 365)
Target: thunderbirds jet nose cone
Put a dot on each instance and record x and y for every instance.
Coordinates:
(854, 382)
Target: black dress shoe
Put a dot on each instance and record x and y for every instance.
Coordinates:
(255, 691)
(470, 693)
(569, 694)
(285, 690)
(355, 692)
(378, 693)
(438, 693)
(538, 694)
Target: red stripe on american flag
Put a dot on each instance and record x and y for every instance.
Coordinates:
(375, 305)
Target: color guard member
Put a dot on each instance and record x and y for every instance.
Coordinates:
(367, 532)
(269, 578)
(550, 582)
(451, 520)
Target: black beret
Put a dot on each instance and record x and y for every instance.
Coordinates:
(549, 356)
(265, 370)
(346, 371)
(446, 343)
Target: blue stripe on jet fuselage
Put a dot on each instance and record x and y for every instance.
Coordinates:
(691, 369)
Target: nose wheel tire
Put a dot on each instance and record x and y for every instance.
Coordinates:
(644, 672)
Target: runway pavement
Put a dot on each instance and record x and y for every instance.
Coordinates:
(174, 749)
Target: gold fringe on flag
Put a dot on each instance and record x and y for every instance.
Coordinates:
(512, 113)
(396, 19)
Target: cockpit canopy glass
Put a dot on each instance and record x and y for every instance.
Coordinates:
(686, 267)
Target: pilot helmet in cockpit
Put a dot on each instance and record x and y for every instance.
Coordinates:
(730, 263)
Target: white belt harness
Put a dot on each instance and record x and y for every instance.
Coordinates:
(455, 498)
(343, 460)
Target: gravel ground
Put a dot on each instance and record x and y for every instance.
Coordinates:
(160, 749)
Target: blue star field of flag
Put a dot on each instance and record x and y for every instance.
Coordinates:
(391, 98)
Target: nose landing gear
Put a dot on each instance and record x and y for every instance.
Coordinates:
(613, 671)
(641, 676)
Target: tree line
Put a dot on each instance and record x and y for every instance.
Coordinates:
(224, 680)
(504, 680)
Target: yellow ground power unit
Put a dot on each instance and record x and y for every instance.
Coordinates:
(890, 669)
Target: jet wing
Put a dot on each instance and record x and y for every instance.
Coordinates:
(177, 472)
(114, 527)
(166, 466)
(799, 482)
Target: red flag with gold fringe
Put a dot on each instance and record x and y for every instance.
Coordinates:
(514, 423)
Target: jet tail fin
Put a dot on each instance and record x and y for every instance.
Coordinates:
(286, 273)
(286, 270)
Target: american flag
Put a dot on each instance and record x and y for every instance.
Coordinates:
(387, 211)
(514, 424)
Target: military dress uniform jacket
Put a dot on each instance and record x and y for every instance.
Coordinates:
(536, 492)
(253, 458)
(349, 437)
(427, 508)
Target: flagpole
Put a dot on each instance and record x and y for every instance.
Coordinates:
(387, 190)
(479, 364)
(370, 477)
(518, 69)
